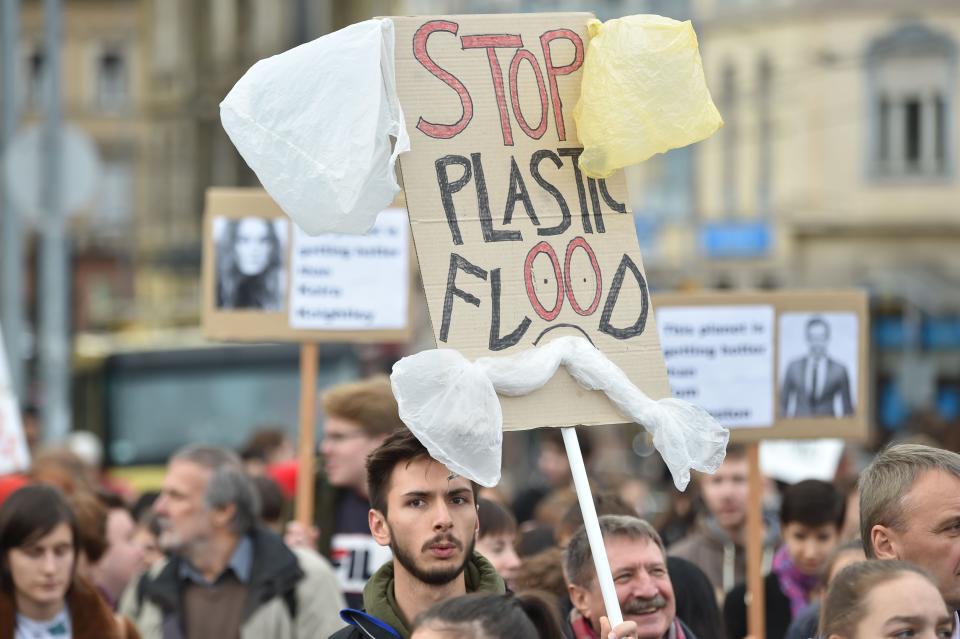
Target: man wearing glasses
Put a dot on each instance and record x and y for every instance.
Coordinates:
(359, 416)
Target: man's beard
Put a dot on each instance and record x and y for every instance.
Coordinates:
(439, 577)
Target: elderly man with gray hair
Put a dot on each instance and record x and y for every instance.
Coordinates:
(910, 510)
(227, 575)
(638, 562)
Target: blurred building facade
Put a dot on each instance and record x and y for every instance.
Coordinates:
(836, 167)
(144, 79)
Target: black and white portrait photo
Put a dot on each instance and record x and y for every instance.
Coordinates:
(818, 364)
(250, 261)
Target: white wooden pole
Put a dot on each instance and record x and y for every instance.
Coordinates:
(590, 522)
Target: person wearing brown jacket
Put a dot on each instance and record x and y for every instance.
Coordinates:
(40, 592)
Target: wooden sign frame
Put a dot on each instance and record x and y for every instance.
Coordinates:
(855, 427)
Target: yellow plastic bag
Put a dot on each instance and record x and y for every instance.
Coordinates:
(642, 93)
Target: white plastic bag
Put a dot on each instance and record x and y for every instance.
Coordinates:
(451, 405)
(453, 410)
(314, 123)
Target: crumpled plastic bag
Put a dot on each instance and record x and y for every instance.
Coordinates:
(452, 408)
(451, 405)
(642, 93)
(314, 123)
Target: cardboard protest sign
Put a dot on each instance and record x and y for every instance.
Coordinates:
(771, 365)
(13, 445)
(516, 246)
(266, 280)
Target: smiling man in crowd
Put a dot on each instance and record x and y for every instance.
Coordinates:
(639, 566)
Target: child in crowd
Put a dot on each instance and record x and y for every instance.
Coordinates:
(498, 533)
(811, 518)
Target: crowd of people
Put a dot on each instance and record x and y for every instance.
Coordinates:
(402, 547)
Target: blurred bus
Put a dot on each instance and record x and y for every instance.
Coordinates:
(146, 401)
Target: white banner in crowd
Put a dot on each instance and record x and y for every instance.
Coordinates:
(13, 446)
(791, 461)
(718, 356)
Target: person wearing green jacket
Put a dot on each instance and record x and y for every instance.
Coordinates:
(428, 518)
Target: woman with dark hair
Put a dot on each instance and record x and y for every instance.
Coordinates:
(489, 616)
(498, 533)
(889, 599)
(249, 265)
(41, 596)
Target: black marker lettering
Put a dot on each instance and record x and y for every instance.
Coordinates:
(518, 191)
(483, 206)
(448, 188)
(498, 343)
(457, 262)
(614, 294)
(535, 160)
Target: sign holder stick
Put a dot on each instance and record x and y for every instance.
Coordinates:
(592, 525)
(306, 442)
(755, 595)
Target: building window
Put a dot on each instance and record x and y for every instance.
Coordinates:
(35, 75)
(764, 138)
(911, 79)
(115, 204)
(111, 80)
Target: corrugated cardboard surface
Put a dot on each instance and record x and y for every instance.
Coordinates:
(855, 427)
(446, 75)
(244, 325)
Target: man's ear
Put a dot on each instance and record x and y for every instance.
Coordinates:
(379, 529)
(581, 599)
(885, 542)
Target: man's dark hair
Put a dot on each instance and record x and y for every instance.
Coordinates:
(28, 515)
(401, 447)
(271, 499)
(554, 437)
(262, 443)
(604, 503)
(813, 503)
(736, 451)
(813, 321)
(531, 615)
(112, 501)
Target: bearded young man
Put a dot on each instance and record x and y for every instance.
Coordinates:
(428, 518)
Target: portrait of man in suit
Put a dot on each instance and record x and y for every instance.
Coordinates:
(816, 384)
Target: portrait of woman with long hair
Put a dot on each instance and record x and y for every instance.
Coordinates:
(250, 260)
